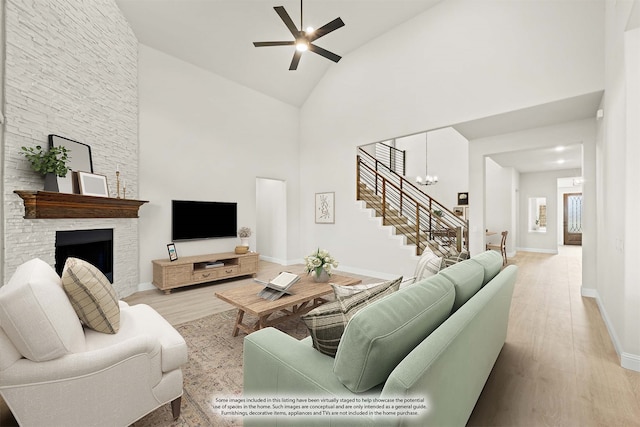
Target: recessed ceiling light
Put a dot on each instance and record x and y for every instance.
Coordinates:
(561, 161)
(559, 148)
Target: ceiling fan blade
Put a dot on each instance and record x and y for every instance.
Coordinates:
(263, 44)
(323, 52)
(295, 61)
(287, 21)
(326, 29)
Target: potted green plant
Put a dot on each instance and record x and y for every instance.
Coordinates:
(51, 164)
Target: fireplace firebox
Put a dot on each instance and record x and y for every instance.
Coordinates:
(93, 246)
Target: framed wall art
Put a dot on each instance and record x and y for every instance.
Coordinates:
(463, 198)
(325, 208)
(93, 185)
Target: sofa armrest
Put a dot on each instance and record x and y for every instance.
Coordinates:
(276, 363)
(75, 365)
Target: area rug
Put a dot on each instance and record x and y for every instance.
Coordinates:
(214, 370)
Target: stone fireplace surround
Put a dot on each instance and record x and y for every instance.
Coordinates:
(71, 70)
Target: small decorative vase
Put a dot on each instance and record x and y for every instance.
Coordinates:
(244, 241)
(58, 184)
(320, 275)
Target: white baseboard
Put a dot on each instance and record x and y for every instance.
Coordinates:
(274, 260)
(146, 286)
(538, 250)
(627, 360)
(630, 361)
(588, 292)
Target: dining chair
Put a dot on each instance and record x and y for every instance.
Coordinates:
(502, 247)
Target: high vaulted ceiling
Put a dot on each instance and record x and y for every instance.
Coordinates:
(218, 35)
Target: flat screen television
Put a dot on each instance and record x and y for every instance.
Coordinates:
(192, 219)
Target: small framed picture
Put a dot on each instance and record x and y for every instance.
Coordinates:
(93, 185)
(173, 255)
(463, 198)
(325, 208)
(458, 211)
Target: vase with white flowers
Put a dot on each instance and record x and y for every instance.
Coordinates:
(319, 264)
(244, 233)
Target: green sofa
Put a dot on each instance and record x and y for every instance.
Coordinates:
(434, 342)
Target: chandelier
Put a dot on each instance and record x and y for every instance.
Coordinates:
(426, 179)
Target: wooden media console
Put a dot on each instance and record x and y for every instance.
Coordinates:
(192, 270)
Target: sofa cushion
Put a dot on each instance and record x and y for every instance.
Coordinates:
(9, 354)
(327, 322)
(91, 295)
(379, 336)
(36, 314)
(428, 265)
(467, 278)
(491, 261)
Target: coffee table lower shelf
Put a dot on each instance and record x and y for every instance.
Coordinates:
(305, 296)
(265, 321)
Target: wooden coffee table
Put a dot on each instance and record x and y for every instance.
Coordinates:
(305, 296)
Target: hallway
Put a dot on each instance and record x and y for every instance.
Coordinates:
(558, 366)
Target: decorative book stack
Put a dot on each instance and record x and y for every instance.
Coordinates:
(277, 287)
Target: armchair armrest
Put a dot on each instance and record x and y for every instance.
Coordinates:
(275, 363)
(75, 365)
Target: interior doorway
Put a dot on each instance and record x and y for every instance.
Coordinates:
(572, 222)
(271, 219)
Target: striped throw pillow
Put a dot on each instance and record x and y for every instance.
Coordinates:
(327, 322)
(91, 295)
(429, 264)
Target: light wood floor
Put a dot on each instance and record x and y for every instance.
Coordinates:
(558, 366)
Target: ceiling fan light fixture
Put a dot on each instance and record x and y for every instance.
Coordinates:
(303, 39)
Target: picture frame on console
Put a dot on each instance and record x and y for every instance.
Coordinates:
(173, 254)
(325, 208)
(93, 184)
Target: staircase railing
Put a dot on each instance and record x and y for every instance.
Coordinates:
(387, 155)
(391, 157)
(424, 220)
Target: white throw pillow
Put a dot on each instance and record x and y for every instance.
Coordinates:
(429, 264)
(36, 314)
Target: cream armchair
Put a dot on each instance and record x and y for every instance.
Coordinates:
(55, 372)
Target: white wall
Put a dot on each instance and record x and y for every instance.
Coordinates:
(205, 138)
(271, 220)
(568, 133)
(448, 157)
(540, 184)
(499, 204)
(618, 286)
(448, 65)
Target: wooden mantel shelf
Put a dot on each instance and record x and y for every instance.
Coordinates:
(47, 204)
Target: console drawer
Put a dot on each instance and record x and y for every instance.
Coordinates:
(214, 273)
